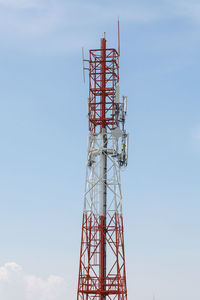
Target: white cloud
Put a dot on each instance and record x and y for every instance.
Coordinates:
(20, 3)
(59, 25)
(189, 10)
(34, 17)
(41, 16)
(16, 284)
(193, 11)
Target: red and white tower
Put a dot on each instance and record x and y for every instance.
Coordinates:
(102, 273)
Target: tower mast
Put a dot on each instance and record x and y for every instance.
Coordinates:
(102, 272)
(103, 169)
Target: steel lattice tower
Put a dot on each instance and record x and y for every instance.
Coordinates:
(102, 273)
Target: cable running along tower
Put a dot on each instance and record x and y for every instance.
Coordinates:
(102, 273)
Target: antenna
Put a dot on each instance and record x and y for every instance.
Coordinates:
(83, 62)
(118, 37)
(125, 104)
(126, 156)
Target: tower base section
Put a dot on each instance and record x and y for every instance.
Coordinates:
(91, 285)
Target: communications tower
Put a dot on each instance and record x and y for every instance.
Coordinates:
(102, 273)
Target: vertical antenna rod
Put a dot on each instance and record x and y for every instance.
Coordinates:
(118, 37)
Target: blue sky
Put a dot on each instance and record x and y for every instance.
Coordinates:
(43, 133)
